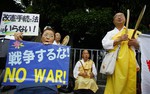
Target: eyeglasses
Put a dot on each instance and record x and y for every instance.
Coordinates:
(48, 36)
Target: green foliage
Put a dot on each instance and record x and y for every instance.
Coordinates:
(50, 12)
(29, 9)
(70, 16)
(26, 2)
(92, 22)
(87, 26)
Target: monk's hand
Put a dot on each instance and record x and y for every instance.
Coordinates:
(91, 75)
(120, 39)
(123, 37)
(138, 69)
(18, 35)
(134, 43)
(83, 74)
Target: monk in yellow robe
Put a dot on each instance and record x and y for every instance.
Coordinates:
(123, 80)
(85, 73)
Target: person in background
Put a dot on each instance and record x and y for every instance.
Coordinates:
(85, 72)
(123, 80)
(57, 38)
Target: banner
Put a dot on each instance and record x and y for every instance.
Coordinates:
(31, 62)
(145, 60)
(19, 22)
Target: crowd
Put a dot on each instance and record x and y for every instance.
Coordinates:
(122, 81)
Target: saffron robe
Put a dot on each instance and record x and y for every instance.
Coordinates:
(85, 83)
(123, 80)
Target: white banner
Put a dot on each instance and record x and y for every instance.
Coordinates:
(145, 60)
(19, 22)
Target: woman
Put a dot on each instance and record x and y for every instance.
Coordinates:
(42, 88)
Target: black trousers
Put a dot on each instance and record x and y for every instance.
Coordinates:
(83, 91)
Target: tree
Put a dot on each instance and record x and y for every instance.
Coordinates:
(87, 28)
(70, 16)
(10, 6)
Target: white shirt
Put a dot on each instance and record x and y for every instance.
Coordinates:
(55, 43)
(107, 41)
(78, 64)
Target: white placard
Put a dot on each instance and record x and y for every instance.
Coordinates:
(145, 60)
(19, 22)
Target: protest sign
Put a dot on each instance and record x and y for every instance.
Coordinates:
(30, 62)
(144, 41)
(19, 22)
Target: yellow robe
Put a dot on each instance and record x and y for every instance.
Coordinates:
(86, 83)
(123, 80)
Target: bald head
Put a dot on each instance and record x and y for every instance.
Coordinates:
(119, 19)
(118, 14)
(85, 55)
